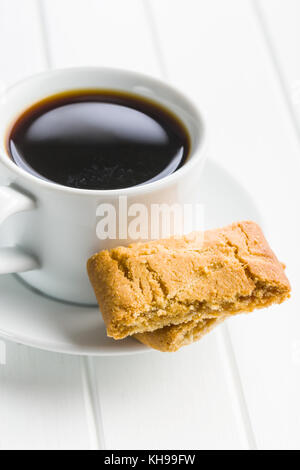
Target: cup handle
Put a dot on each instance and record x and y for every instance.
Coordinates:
(14, 259)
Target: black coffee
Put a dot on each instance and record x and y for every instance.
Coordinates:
(98, 140)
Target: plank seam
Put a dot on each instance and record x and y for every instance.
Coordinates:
(44, 33)
(92, 402)
(271, 49)
(150, 18)
(88, 377)
(234, 377)
(226, 342)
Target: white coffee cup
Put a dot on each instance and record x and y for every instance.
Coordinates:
(51, 231)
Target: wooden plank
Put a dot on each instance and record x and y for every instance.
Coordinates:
(169, 401)
(281, 28)
(151, 401)
(21, 47)
(223, 60)
(42, 401)
(97, 32)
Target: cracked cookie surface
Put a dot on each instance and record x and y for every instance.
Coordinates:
(201, 276)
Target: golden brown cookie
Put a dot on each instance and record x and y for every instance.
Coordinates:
(172, 338)
(148, 286)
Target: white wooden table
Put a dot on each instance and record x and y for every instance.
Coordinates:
(240, 386)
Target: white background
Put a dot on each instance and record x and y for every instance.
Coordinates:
(240, 386)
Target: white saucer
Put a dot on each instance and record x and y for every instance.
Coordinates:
(31, 319)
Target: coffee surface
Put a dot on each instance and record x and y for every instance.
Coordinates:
(98, 140)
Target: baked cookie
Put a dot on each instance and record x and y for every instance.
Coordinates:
(172, 338)
(148, 286)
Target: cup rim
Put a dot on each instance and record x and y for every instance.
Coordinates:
(197, 153)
